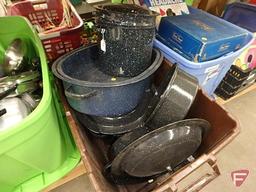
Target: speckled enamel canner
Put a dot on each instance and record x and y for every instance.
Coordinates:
(127, 38)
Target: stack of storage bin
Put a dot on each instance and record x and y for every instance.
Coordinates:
(40, 149)
(243, 71)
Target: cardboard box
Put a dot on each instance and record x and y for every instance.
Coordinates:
(214, 7)
(176, 9)
(200, 36)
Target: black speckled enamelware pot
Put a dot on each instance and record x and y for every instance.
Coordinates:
(127, 32)
(92, 92)
(174, 97)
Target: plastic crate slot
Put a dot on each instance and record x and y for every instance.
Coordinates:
(38, 13)
(40, 17)
(68, 45)
(40, 6)
(61, 51)
(34, 16)
(52, 41)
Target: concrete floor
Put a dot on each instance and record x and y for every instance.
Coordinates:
(240, 154)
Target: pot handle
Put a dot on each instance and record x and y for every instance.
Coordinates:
(8, 91)
(2, 112)
(70, 94)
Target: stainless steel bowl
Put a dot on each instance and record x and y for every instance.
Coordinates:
(14, 56)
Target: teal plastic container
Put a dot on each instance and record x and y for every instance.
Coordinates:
(76, 2)
(39, 150)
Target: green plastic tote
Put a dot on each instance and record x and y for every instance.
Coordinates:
(39, 150)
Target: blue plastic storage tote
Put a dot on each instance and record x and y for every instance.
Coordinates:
(242, 15)
(209, 73)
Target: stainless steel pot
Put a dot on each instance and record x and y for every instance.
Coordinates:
(25, 82)
(14, 56)
(16, 111)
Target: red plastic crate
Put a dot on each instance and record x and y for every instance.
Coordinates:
(252, 1)
(55, 43)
